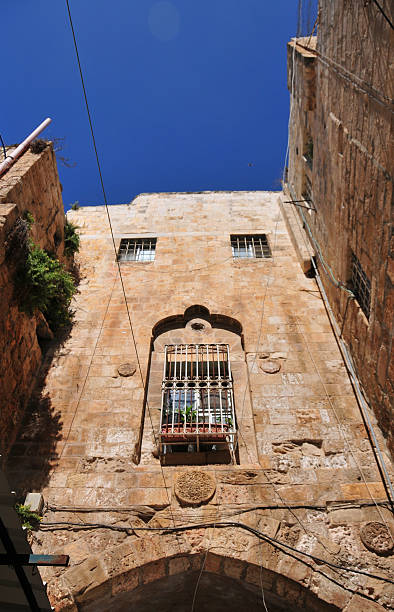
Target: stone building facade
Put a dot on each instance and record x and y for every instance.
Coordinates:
(31, 186)
(150, 527)
(340, 171)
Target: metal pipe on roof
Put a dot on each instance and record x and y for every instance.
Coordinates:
(11, 157)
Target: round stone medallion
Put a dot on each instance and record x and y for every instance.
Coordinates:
(193, 487)
(270, 367)
(376, 537)
(127, 369)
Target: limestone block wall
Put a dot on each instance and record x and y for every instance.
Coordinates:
(30, 185)
(301, 82)
(353, 182)
(305, 476)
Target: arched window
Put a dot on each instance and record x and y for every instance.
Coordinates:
(191, 387)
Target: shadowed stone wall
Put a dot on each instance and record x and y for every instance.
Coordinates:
(32, 186)
(349, 117)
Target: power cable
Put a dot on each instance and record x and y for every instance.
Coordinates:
(384, 14)
(240, 510)
(88, 370)
(340, 426)
(328, 272)
(112, 233)
(262, 316)
(269, 278)
(202, 567)
(208, 525)
(351, 77)
(3, 147)
(261, 577)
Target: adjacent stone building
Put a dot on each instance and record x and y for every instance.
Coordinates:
(340, 176)
(30, 189)
(212, 411)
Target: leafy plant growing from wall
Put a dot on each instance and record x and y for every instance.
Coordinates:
(44, 284)
(30, 519)
(28, 217)
(71, 239)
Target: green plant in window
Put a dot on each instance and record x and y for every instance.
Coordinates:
(189, 415)
(71, 239)
(30, 519)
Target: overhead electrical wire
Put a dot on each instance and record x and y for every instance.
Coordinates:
(353, 376)
(275, 489)
(239, 508)
(112, 235)
(3, 147)
(340, 425)
(216, 525)
(88, 370)
(326, 268)
(265, 294)
(203, 565)
(384, 14)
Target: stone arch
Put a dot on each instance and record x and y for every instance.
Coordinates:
(161, 573)
(197, 311)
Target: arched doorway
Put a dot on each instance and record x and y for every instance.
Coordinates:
(214, 594)
(226, 584)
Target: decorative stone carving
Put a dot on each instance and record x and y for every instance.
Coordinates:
(193, 487)
(127, 369)
(376, 537)
(197, 326)
(270, 367)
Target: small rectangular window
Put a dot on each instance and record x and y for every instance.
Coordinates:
(361, 286)
(137, 249)
(254, 246)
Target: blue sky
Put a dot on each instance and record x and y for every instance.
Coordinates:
(184, 94)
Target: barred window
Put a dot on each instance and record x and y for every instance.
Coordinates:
(197, 397)
(361, 286)
(137, 249)
(248, 245)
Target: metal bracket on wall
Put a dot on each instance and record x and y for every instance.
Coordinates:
(296, 203)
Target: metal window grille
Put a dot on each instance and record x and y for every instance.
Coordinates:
(255, 246)
(197, 396)
(361, 286)
(137, 249)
